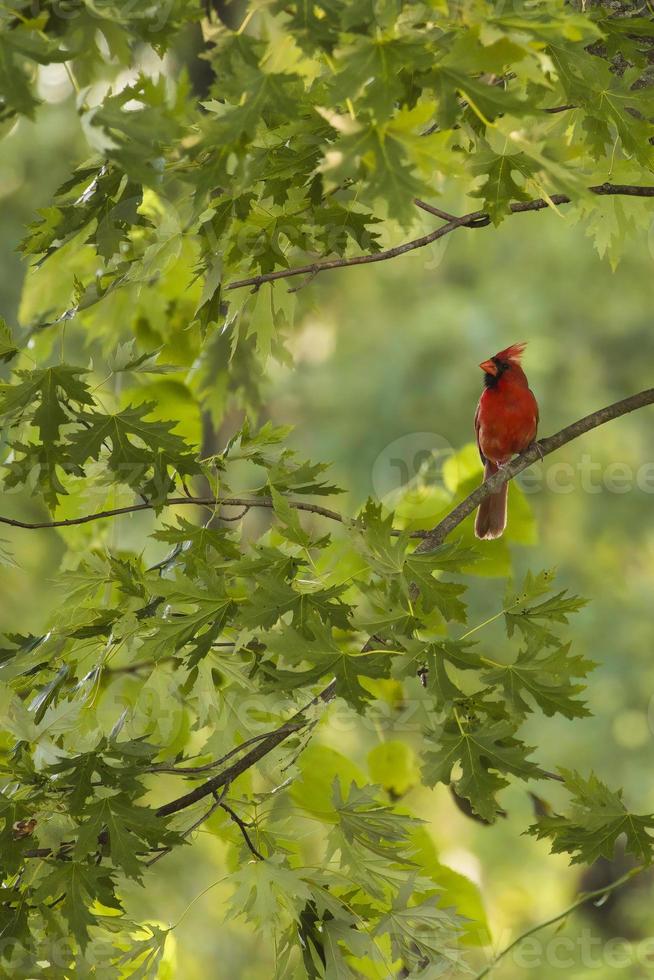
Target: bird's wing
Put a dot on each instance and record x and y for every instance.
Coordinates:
(477, 413)
(536, 409)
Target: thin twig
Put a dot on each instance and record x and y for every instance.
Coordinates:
(236, 517)
(561, 108)
(192, 770)
(245, 502)
(581, 900)
(243, 828)
(431, 209)
(309, 279)
(218, 802)
(136, 666)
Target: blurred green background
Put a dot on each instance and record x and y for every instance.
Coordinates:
(385, 352)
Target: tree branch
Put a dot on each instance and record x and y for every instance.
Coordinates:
(245, 502)
(475, 219)
(208, 766)
(312, 269)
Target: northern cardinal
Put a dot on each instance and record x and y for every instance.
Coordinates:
(506, 422)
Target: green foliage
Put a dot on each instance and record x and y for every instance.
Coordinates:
(226, 637)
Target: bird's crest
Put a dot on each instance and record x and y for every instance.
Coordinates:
(512, 353)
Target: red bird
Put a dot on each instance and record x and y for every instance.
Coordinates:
(506, 422)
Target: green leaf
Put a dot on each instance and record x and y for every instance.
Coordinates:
(264, 891)
(53, 389)
(597, 819)
(15, 89)
(81, 885)
(289, 520)
(545, 677)
(500, 188)
(136, 448)
(8, 349)
(193, 615)
(131, 831)
(273, 598)
(322, 657)
(376, 826)
(533, 622)
(372, 71)
(488, 100)
(485, 756)
(434, 593)
(423, 935)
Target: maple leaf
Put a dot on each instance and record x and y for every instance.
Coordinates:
(135, 446)
(81, 885)
(8, 348)
(546, 678)
(534, 621)
(130, 830)
(423, 935)
(500, 188)
(485, 755)
(387, 555)
(53, 390)
(430, 659)
(200, 625)
(597, 819)
(365, 819)
(264, 890)
(325, 658)
(274, 597)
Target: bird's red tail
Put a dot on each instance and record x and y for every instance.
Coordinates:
(491, 516)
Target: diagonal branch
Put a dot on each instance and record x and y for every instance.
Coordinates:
(544, 447)
(312, 269)
(475, 219)
(242, 826)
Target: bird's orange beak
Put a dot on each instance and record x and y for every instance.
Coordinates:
(489, 367)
